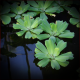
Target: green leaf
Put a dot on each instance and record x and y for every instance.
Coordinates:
(67, 34)
(43, 16)
(69, 54)
(54, 64)
(62, 58)
(74, 21)
(54, 27)
(34, 36)
(37, 31)
(43, 36)
(20, 33)
(19, 9)
(40, 4)
(20, 21)
(41, 47)
(64, 64)
(11, 14)
(37, 51)
(17, 16)
(56, 52)
(46, 26)
(27, 21)
(61, 45)
(28, 35)
(50, 46)
(18, 26)
(78, 25)
(5, 19)
(61, 26)
(35, 23)
(40, 55)
(33, 9)
(47, 4)
(73, 11)
(51, 9)
(33, 3)
(43, 62)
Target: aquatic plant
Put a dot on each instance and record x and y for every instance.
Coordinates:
(55, 29)
(28, 26)
(51, 53)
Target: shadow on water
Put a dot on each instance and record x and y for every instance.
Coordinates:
(17, 55)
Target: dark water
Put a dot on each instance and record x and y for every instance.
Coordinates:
(18, 61)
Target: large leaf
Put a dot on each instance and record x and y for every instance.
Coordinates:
(11, 14)
(62, 58)
(74, 21)
(28, 35)
(20, 33)
(43, 36)
(33, 3)
(61, 45)
(18, 26)
(64, 64)
(69, 54)
(43, 62)
(51, 9)
(61, 26)
(41, 47)
(54, 64)
(46, 26)
(56, 52)
(47, 4)
(73, 11)
(27, 21)
(5, 19)
(67, 34)
(40, 55)
(50, 46)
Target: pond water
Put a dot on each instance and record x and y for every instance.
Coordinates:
(18, 61)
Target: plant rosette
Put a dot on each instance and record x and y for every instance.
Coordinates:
(57, 29)
(43, 7)
(19, 8)
(28, 26)
(51, 53)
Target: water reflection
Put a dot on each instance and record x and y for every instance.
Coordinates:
(19, 55)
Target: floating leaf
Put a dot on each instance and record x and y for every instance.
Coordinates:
(28, 35)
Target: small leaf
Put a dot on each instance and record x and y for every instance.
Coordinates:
(33, 9)
(41, 47)
(43, 62)
(74, 21)
(42, 16)
(11, 14)
(20, 21)
(37, 51)
(17, 16)
(36, 31)
(20, 33)
(35, 23)
(28, 35)
(43, 36)
(78, 25)
(54, 64)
